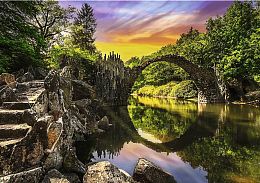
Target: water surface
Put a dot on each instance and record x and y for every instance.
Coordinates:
(195, 143)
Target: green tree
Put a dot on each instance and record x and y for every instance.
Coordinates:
(20, 42)
(192, 46)
(133, 62)
(186, 37)
(51, 19)
(84, 28)
(229, 41)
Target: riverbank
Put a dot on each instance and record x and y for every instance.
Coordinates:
(253, 101)
(166, 97)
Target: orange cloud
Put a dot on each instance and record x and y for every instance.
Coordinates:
(137, 28)
(161, 29)
(155, 40)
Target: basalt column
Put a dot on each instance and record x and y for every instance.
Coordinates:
(112, 80)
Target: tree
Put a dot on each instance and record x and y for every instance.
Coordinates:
(133, 61)
(186, 37)
(51, 19)
(20, 42)
(228, 40)
(191, 45)
(84, 28)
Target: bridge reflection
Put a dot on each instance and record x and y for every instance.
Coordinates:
(212, 136)
(183, 128)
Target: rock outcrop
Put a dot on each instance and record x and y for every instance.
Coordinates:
(7, 95)
(32, 175)
(104, 172)
(82, 90)
(6, 79)
(103, 124)
(39, 122)
(54, 176)
(146, 172)
(45, 122)
(25, 78)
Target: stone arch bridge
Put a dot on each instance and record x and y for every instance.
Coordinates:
(114, 81)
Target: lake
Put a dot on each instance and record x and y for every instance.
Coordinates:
(194, 142)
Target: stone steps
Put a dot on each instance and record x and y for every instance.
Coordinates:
(17, 105)
(36, 84)
(30, 95)
(14, 131)
(26, 87)
(11, 116)
(32, 175)
(16, 122)
(9, 142)
(32, 84)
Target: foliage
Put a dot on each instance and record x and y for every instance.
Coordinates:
(133, 62)
(51, 19)
(163, 124)
(231, 44)
(157, 74)
(58, 52)
(33, 33)
(84, 28)
(222, 159)
(183, 89)
(17, 54)
(21, 44)
(231, 41)
(83, 58)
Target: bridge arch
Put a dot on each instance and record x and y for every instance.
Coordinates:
(114, 81)
(211, 89)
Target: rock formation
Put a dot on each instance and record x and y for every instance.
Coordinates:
(144, 172)
(104, 172)
(39, 122)
(147, 172)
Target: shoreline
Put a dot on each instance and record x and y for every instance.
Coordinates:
(251, 103)
(166, 97)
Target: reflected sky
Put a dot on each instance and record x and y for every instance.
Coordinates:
(181, 137)
(172, 163)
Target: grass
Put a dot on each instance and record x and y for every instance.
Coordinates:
(184, 89)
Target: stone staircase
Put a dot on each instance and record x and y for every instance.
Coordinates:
(15, 120)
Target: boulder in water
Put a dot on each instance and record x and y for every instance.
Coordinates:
(103, 172)
(147, 172)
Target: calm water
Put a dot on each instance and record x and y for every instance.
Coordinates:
(195, 143)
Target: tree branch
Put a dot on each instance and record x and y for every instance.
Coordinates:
(39, 24)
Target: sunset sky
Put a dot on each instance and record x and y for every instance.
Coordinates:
(138, 28)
